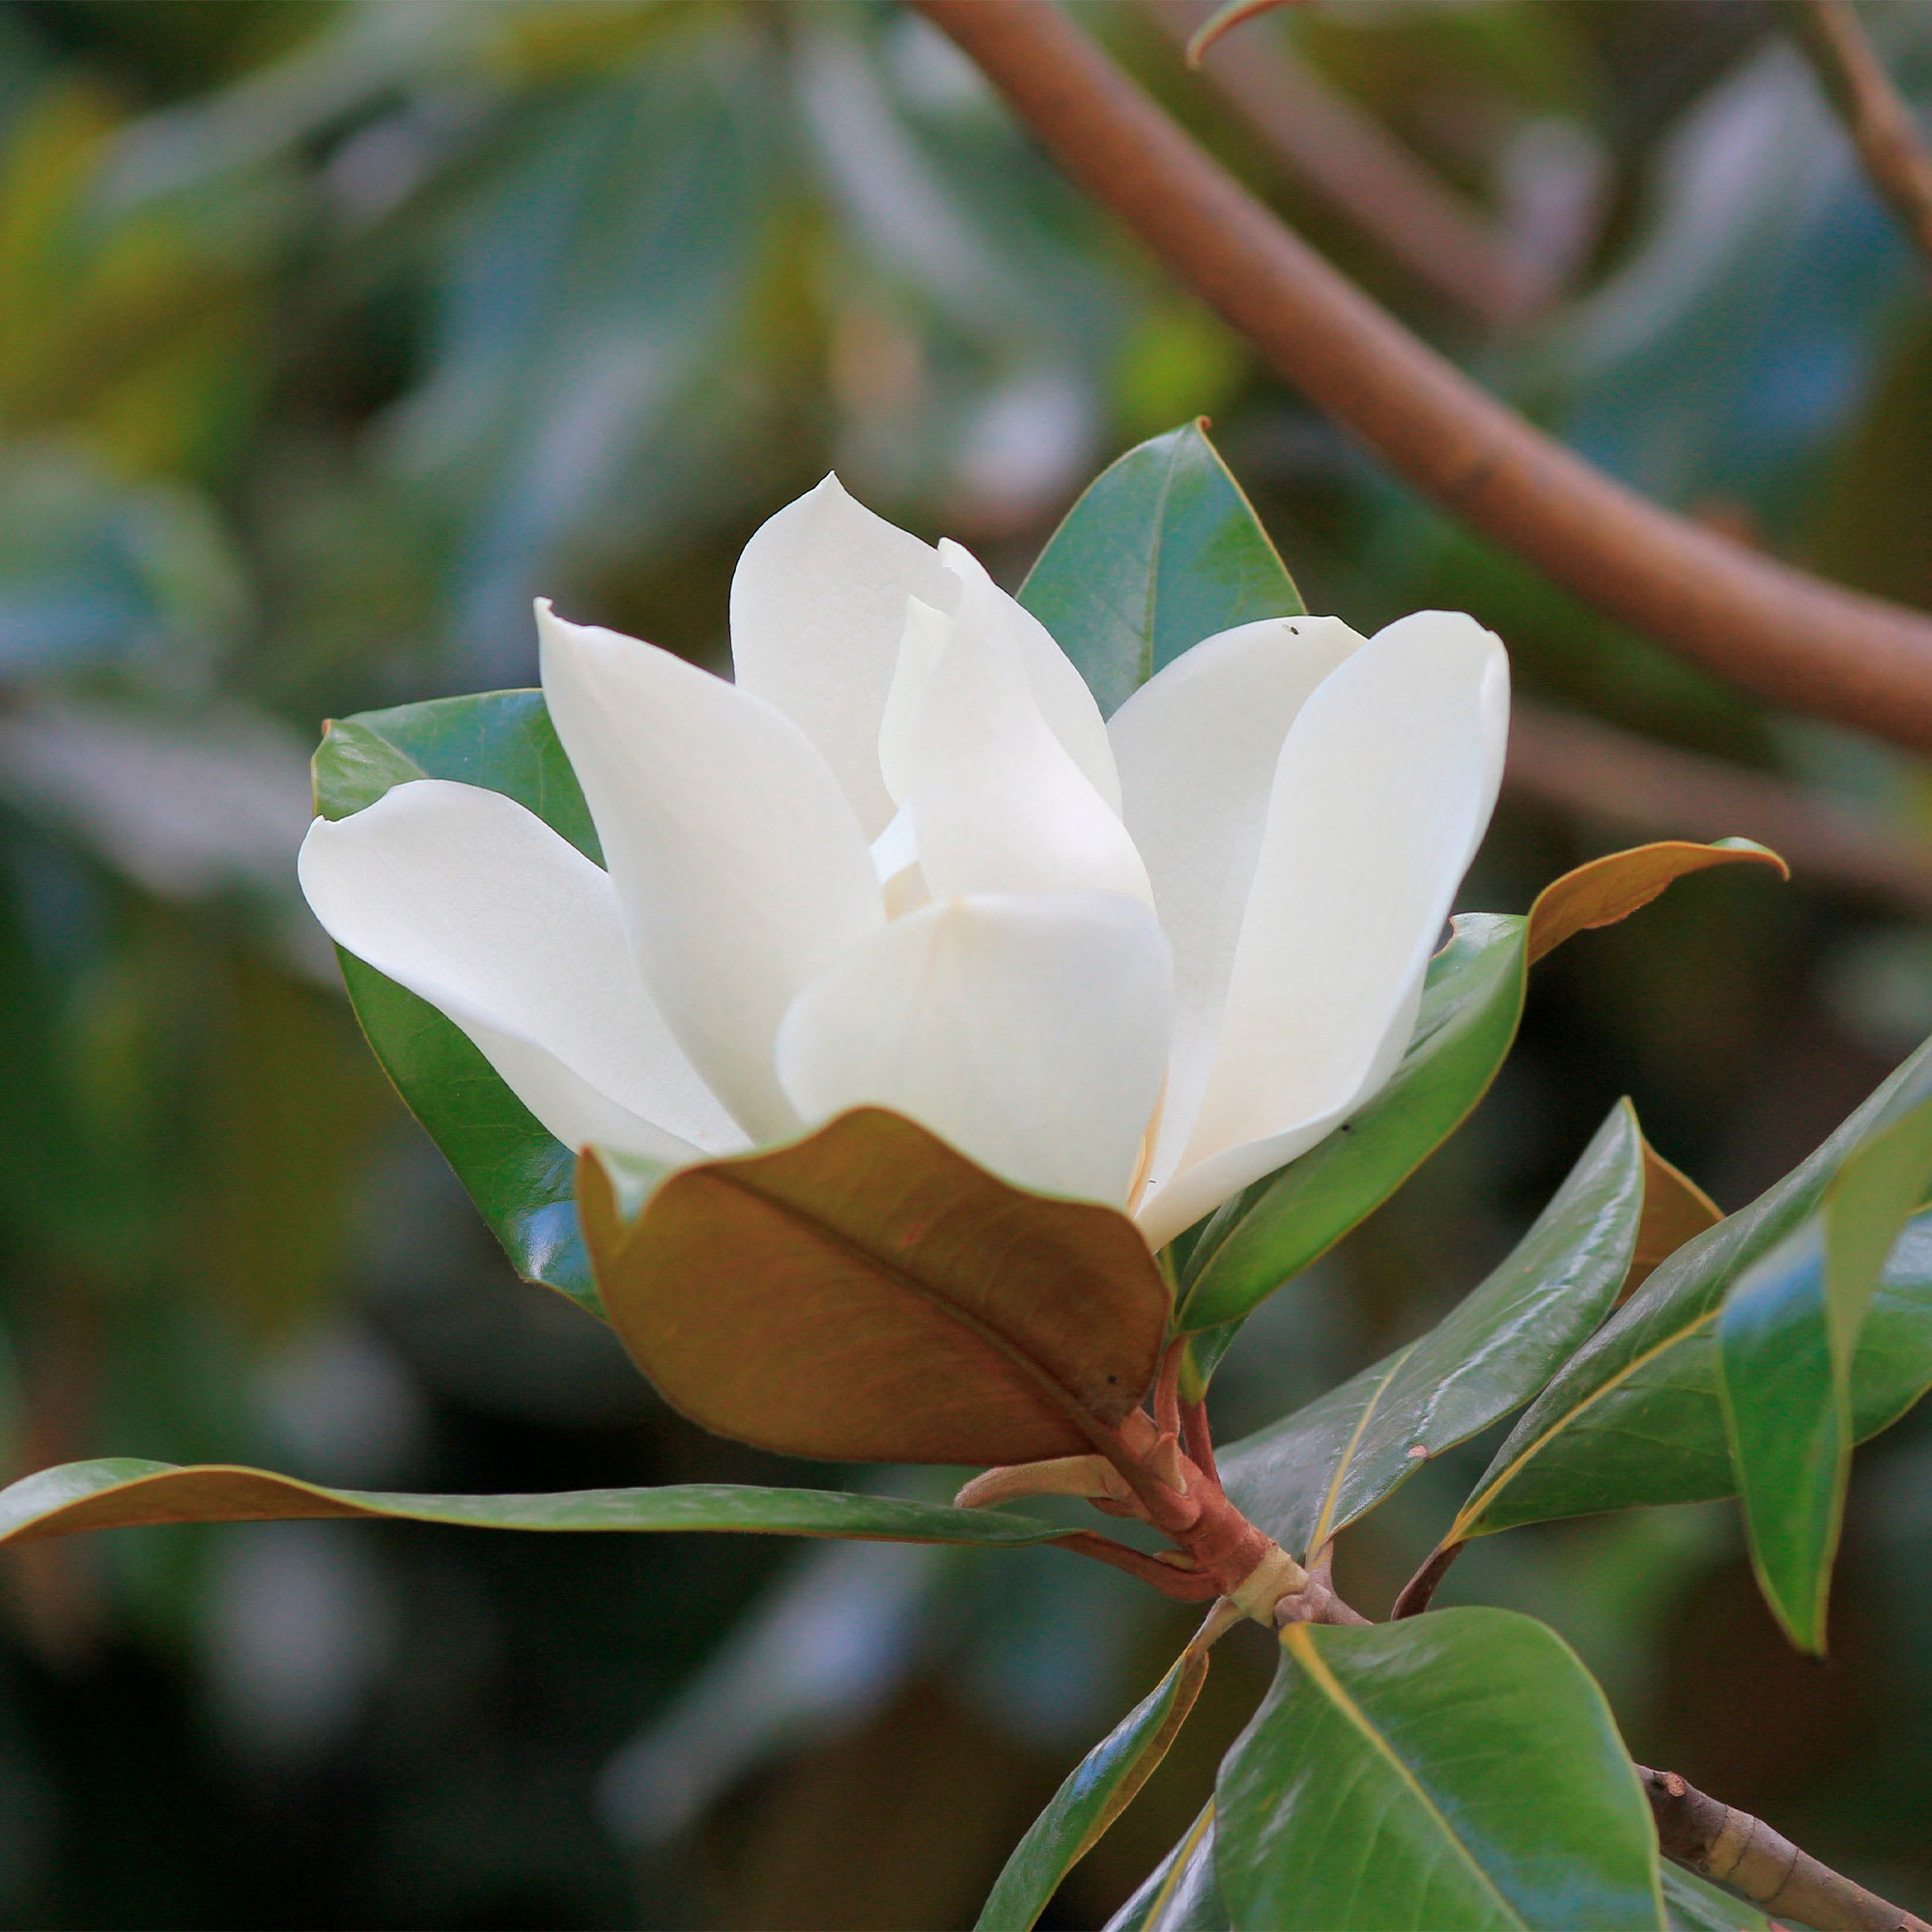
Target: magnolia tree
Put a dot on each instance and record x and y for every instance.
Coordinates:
(932, 1047)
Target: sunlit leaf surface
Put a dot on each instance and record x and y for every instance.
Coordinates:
(1310, 1476)
(1787, 1356)
(1634, 1417)
(1457, 1772)
(1162, 549)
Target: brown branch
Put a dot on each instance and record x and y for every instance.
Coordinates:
(1347, 155)
(1633, 785)
(1875, 115)
(1769, 628)
(1743, 1853)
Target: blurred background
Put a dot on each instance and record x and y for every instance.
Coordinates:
(329, 334)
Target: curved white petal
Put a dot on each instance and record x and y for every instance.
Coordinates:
(922, 643)
(998, 804)
(1030, 1030)
(738, 863)
(1384, 786)
(818, 605)
(475, 904)
(1058, 690)
(1198, 745)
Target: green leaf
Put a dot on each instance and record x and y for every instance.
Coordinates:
(1161, 551)
(519, 1175)
(868, 1295)
(1180, 1893)
(1096, 1790)
(1634, 1416)
(1274, 1230)
(1308, 1477)
(1453, 1773)
(501, 740)
(1787, 1341)
(1693, 1904)
(119, 1492)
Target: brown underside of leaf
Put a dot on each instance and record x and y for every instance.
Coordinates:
(211, 1493)
(868, 1295)
(1675, 1209)
(1611, 887)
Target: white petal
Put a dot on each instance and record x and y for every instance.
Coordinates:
(1058, 690)
(998, 804)
(1028, 1031)
(921, 646)
(739, 865)
(818, 605)
(1198, 745)
(1384, 786)
(476, 905)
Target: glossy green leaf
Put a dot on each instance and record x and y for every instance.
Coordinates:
(1095, 1792)
(519, 1175)
(1787, 1341)
(1310, 1476)
(1180, 1894)
(1274, 1230)
(1693, 1904)
(119, 1492)
(1634, 1416)
(1161, 551)
(1454, 1772)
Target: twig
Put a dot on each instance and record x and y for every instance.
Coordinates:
(1185, 1586)
(1346, 155)
(1167, 1388)
(1771, 628)
(1746, 1854)
(1874, 113)
(1635, 784)
(1316, 1601)
(1198, 1439)
(1421, 1586)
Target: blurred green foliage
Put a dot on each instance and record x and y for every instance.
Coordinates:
(331, 334)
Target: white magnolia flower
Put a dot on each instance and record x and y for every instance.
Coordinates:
(902, 860)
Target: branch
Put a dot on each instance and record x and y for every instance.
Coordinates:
(1767, 627)
(1873, 111)
(1346, 155)
(1746, 1854)
(1635, 784)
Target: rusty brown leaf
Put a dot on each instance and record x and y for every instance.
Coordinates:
(868, 1295)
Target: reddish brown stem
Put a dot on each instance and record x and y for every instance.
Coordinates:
(1198, 1439)
(1184, 1586)
(1774, 630)
(1167, 1388)
(1421, 1587)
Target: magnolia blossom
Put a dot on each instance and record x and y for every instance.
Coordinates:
(902, 860)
